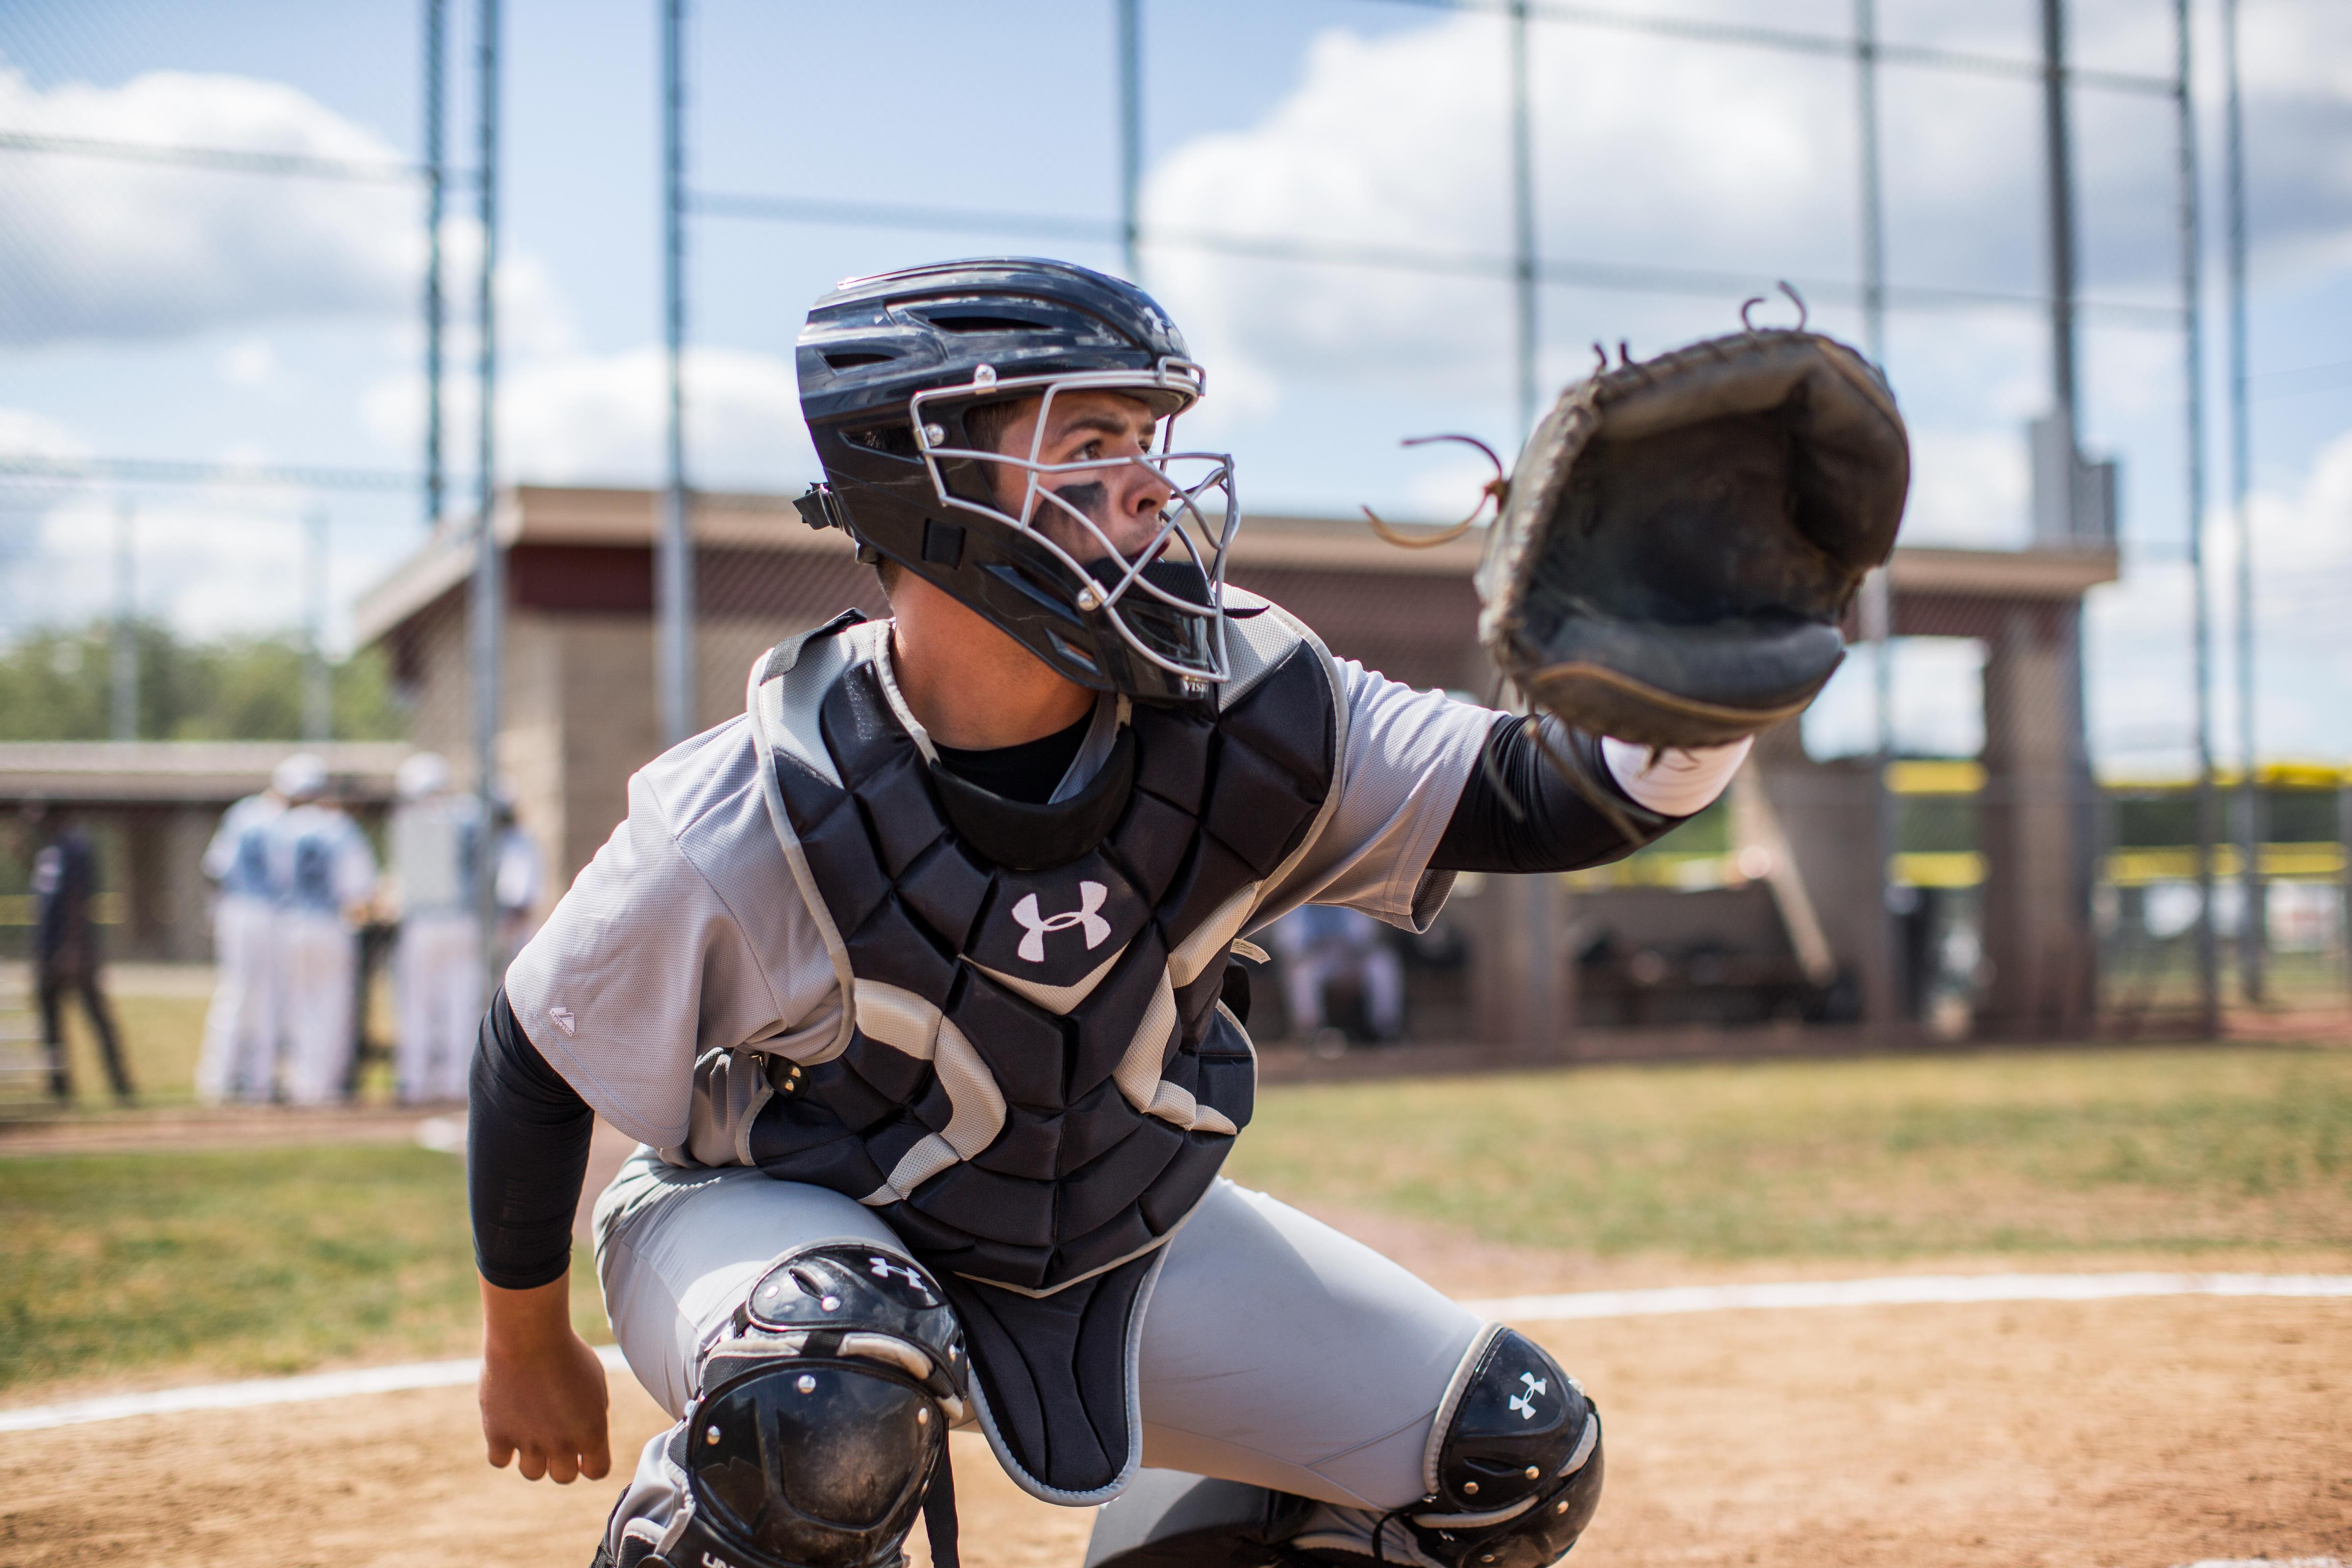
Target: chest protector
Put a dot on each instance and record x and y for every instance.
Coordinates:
(1035, 1081)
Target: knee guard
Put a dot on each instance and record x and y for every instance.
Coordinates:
(1518, 1464)
(1519, 1468)
(822, 1419)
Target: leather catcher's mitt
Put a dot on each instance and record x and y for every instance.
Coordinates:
(1682, 537)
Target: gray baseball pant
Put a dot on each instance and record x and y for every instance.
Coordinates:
(1275, 1351)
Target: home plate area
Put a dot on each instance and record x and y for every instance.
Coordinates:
(2156, 1430)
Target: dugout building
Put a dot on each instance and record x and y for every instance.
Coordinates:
(1772, 917)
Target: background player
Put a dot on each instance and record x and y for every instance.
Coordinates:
(238, 1060)
(437, 978)
(67, 953)
(520, 874)
(324, 871)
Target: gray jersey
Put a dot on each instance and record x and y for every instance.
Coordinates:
(686, 940)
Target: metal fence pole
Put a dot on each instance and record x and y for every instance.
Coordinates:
(1543, 1025)
(674, 557)
(2060, 154)
(1131, 134)
(318, 700)
(1881, 996)
(2252, 938)
(1523, 218)
(2192, 245)
(488, 601)
(123, 634)
(435, 174)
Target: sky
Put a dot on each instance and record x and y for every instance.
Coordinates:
(155, 312)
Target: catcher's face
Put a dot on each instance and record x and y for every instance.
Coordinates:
(1123, 498)
(1137, 537)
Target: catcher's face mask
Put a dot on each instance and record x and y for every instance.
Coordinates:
(1138, 535)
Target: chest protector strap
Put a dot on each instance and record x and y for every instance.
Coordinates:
(1034, 1082)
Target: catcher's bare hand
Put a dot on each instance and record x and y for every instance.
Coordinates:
(542, 1390)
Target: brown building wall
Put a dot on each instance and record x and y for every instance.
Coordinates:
(1410, 626)
(580, 712)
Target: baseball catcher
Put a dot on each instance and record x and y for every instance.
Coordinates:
(914, 980)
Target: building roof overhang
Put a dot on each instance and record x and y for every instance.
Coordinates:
(185, 772)
(629, 519)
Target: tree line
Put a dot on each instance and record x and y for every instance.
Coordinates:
(58, 684)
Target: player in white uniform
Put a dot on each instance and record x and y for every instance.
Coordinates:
(1323, 942)
(438, 976)
(520, 876)
(913, 984)
(324, 871)
(238, 1060)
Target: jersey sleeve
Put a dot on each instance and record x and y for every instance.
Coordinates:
(355, 868)
(220, 854)
(1405, 760)
(684, 934)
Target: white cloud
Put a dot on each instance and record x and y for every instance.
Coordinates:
(25, 434)
(1938, 707)
(105, 248)
(571, 419)
(1664, 151)
(251, 362)
(2142, 709)
(1967, 490)
(211, 565)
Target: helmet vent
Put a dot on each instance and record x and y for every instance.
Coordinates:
(981, 324)
(853, 361)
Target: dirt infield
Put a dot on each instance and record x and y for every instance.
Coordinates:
(2124, 1433)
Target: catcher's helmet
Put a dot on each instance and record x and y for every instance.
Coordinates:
(891, 366)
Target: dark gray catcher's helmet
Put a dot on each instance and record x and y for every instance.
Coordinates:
(889, 368)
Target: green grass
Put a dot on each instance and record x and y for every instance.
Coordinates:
(232, 1263)
(2177, 1150)
(238, 1263)
(160, 1039)
(161, 1033)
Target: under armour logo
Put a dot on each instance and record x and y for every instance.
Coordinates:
(1525, 1404)
(883, 1268)
(1085, 917)
(563, 1020)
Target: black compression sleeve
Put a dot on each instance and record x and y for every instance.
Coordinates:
(526, 1135)
(1520, 813)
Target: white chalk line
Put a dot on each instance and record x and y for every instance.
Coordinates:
(1903, 1290)
(1918, 1290)
(255, 1393)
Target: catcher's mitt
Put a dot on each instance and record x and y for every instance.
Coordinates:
(1682, 537)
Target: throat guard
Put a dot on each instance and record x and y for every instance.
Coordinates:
(1034, 1083)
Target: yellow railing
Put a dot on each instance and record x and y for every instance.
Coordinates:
(1936, 778)
(1946, 868)
(2280, 862)
(1967, 777)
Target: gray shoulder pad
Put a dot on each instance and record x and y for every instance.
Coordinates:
(1257, 639)
(790, 681)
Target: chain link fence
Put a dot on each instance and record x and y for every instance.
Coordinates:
(2010, 846)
